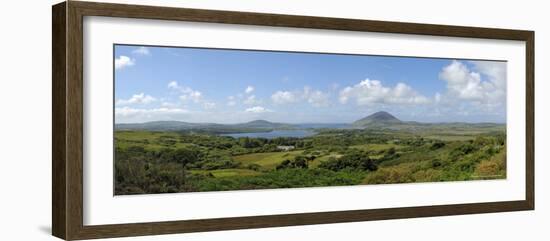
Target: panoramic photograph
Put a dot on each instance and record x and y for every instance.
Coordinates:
(201, 119)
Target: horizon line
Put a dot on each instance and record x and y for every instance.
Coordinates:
(296, 123)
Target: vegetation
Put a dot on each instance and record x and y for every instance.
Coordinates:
(192, 161)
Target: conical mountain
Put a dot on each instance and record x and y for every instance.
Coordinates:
(378, 118)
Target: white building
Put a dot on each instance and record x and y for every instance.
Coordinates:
(285, 148)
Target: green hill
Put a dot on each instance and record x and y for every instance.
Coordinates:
(378, 118)
(252, 126)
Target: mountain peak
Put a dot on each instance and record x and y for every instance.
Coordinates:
(380, 117)
(259, 122)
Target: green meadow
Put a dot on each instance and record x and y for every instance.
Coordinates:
(187, 161)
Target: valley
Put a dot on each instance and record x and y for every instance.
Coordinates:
(171, 156)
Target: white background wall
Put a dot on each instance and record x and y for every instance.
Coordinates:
(25, 120)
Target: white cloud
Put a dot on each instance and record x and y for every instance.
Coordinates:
(167, 104)
(369, 92)
(461, 82)
(141, 51)
(496, 71)
(231, 101)
(187, 93)
(251, 100)
(257, 109)
(140, 98)
(487, 86)
(474, 89)
(209, 105)
(437, 97)
(249, 89)
(173, 85)
(284, 97)
(316, 98)
(128, 111)
(123, 61)
(192, 95)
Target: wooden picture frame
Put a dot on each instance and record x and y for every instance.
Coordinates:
(67, 124)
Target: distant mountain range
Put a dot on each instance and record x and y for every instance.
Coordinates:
(378, 120)
(252, 126)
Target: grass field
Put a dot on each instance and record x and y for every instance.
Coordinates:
(268, 160)
(377, 147)
(160, 162)
(450, 137)
(149, 140)
(227, 172)
(315, 163)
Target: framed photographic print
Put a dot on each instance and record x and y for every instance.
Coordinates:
(171, 120)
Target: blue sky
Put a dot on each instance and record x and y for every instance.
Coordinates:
(231, 86)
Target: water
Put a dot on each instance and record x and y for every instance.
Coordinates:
(273, 134)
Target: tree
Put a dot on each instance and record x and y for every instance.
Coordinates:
(355, 160)
(284, 164)
(436, 145)
(300, 162)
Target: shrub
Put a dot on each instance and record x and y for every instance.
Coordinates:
(436, 145)
(298, 162)
(253, 166)
(357, 161)
(283, 178)
(436, 163)
(284, 164)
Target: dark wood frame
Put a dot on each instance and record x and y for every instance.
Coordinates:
(67, 123)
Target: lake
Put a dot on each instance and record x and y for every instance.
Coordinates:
(273, 134)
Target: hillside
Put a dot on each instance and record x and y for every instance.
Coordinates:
(252, 126)
(263, 124)
(378, 118)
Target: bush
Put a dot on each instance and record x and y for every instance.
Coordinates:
(356, 161)
(389, 175)
(463, 149)
(254, 167)
(283, 178)
(436, 163)
(284, 164)
(436, 145)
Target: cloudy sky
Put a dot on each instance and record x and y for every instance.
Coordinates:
(231, 86)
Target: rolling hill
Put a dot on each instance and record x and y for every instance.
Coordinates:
(252, 126)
